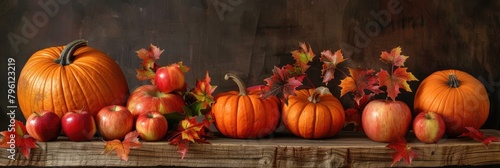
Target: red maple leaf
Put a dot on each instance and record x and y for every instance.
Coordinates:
(18, 136)
(395, 58)
(330, 61)
(479, 136)
(203, 91)
(359, 81)
(281, 84)
(397, 80)
(122, 148)
(189, 131)
(149, 65)
(401, 151)
(353, 115)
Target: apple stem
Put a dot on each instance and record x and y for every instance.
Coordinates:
(239, 82)
(67, 53)
(314, 98)
(453, 81)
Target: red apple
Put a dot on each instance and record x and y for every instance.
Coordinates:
(114, 122)
(44, 126)
(169, 78)
(78, 125)
(429, 127)
(152, 126)
(386, 121)
(148, 98)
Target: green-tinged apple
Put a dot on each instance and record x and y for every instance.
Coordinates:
(78, 125)
(169, 78)
(148, 98)
(152, 126)
(429, 127)
(44, 126)
(114, 122)
(386, 120)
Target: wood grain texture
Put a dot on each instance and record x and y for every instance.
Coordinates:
(348, 149)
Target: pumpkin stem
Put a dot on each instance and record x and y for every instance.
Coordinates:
(66, 56)
(453, 81)
(314, 98)
(239, 82)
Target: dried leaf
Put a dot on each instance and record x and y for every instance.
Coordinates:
(122, 148)
(353, 115)
(330, 62)
(281, 84)
(401, 151)
(18, 134)
(189, 131)
(397, 80)
(359, 81)
(203, 92)
(148, 65)
(479, 136)
(303, 56)
(395, 58)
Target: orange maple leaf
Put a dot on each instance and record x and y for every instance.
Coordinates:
(203, 91)
(359, 81)
(395, 58)
(18, 136)
(397, 80)
(122, 149)
(303, 56)
(149, 65)
(189, 131)
(330, 61)
(401, 151)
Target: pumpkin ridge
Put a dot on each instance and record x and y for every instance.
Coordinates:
(295, 123)
(104, 70)
(57, 91)
(25, 79)
(97, 93)
(255, 118)
(73, 90)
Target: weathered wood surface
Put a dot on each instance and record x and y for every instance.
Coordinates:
(348, 149)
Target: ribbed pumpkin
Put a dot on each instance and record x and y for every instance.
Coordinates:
(245, 114)
(457, 96)
(313, 114)
(67, 78)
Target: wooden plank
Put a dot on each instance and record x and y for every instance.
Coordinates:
(348, 149)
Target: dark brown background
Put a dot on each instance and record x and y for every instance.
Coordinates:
(249, 37)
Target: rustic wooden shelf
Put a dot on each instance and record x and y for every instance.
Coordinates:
(348, 149)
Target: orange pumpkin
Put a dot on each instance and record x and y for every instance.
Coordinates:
(313, 114)
(457, 96)
(245, 114)
(62, 79)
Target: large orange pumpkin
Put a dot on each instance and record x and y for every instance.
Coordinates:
(245, 114)
(61, 79)
(457, 96)
(313, 114)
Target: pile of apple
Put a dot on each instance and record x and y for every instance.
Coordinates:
(145, 108)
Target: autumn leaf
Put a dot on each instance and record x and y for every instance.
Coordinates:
(148, 65)
(203, 91)
(122, 148)
(359, 81)
(18, 136)
(330, 61)
(401, 151)
(303, 56)
(281, 84)
(353, 115)
(189, 131)
(398, 79)
(395, 58)
(479, 136)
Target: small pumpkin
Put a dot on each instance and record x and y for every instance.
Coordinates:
(458, 97)
(313, 114)
(245, 114)
(65, 78)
